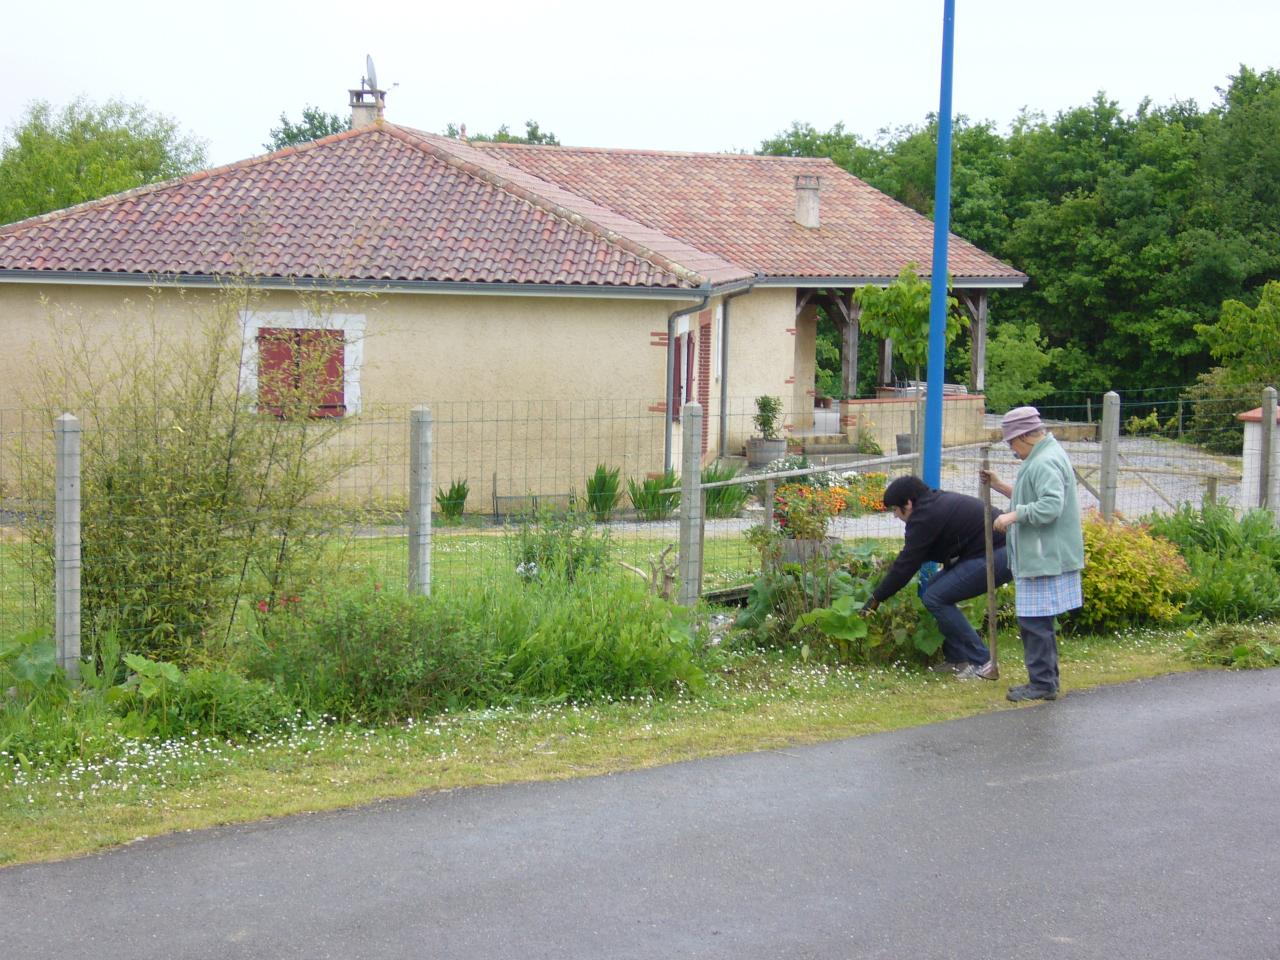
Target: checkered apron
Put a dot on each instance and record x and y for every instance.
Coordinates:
(1047, 596)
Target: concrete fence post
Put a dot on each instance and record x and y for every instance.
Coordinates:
(1110, 481)
(691, 524)
(1266, 462)
(420, 501)
(66, 544)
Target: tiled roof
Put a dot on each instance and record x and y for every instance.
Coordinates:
(387, 203)
(369, 204)
(742, 207)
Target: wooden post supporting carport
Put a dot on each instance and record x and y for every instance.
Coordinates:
(975, 302)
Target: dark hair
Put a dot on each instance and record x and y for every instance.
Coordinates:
(903, 489)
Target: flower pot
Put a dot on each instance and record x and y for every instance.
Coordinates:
(761, 451)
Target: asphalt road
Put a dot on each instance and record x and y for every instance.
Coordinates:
(1128, 822)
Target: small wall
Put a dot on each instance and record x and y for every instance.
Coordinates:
(1253, 465)
(884, 419)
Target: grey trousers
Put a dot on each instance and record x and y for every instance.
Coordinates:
(1040, 649)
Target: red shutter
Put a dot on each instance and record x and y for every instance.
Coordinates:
(688, 366)
(322, 351)
(277, 372)
(677, 379)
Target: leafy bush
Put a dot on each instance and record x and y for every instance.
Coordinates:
(814, 609)
(649, 501)
(453, 501)
(1243, 646)
(1130, 577)
(222, 703)
(191, 499)
(1236, 561)
(377, 654)
(1216, 529)
(552, 545)
(596, 636)
(1232, 588)
(603, 492)
(728, 501)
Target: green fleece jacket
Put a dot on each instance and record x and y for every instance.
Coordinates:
(1047, 539)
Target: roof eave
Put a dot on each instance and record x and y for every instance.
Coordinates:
(450, 287)
(964, 283)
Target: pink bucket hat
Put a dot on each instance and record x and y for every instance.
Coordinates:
(1018, 421)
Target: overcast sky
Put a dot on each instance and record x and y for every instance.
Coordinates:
(660, 74)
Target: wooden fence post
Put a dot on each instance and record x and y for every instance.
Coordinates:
(420, 501)
(66, 544)
(1266, 465)
(691, 527)
(1110, 480)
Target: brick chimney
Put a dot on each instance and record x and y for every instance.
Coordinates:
(367, 106)
(807, 200)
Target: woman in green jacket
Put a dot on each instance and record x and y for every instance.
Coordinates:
(1046, 545)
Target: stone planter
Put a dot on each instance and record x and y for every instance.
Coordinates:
(805, 551)
(761, 451)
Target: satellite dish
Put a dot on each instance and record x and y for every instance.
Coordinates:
(371, 77)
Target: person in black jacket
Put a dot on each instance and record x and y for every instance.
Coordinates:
(946, 528)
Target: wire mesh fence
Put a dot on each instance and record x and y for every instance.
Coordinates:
(193, 528)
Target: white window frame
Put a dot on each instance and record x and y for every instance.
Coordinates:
(352, 325)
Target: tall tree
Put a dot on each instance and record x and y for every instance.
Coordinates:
(314, 125)
(50, 160)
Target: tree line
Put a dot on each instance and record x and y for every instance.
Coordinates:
(1133, 228)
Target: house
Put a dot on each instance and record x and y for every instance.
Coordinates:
(501, 272)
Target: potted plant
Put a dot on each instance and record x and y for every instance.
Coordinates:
(767, 446)
(802, 513)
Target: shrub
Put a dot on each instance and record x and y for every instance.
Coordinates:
(1130, 577)
(222, 703)
(728, 501)
(1232, 588)
(374, 654)
(552, 545)
(603, 492)
(597, 636)
(191, 499)
(1236, 561)
(649, 501)
(1243, 646)
(453, 501)
(814, 607)
(1215, 398)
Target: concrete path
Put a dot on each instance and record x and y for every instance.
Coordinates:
(1129, 822)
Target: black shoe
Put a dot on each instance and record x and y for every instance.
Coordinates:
(1028, 692)
(948, 666)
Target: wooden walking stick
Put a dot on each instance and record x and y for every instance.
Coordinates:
(991, 669)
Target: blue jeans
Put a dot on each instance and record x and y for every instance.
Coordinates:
(1040, 650)
(966, 580)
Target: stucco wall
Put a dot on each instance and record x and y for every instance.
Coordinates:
(1252, 473)
(535, 390)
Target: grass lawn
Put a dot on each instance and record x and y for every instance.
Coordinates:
(757, 702)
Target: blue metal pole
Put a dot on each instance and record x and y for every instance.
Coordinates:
(932, 462)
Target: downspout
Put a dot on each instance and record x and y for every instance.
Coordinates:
(671, 371)
(724, 368)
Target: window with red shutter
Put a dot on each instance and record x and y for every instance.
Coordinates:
(301, 368)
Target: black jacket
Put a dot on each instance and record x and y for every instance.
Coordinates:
(943, 527)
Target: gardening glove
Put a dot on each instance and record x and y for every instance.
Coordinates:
(869, 607)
